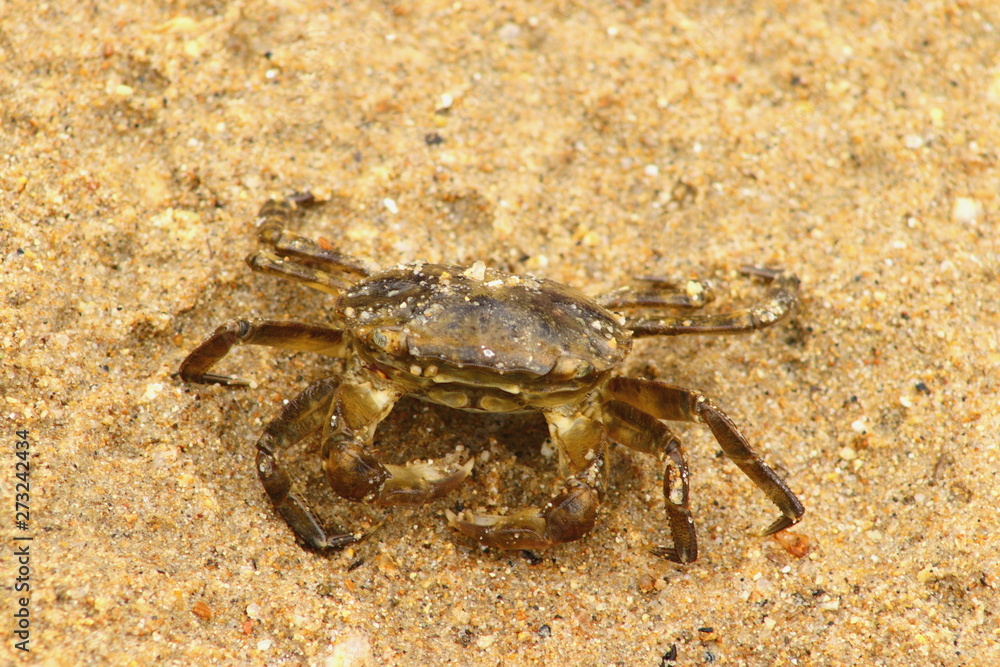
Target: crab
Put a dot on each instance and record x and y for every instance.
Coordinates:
(479, 339)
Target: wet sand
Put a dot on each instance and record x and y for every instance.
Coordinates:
(587, 143)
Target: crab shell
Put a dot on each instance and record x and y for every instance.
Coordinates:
(480, 339)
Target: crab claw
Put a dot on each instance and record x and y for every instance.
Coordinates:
(418, 483)
(567, 517)
(523, 530)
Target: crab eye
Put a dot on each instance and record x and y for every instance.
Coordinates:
(572, 367)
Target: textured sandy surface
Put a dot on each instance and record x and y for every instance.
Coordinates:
(854, 143)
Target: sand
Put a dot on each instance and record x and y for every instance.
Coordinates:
(855, 144)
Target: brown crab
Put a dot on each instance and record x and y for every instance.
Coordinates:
(479, 339)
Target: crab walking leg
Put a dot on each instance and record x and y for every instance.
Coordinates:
(637, 430)
(284, 335)
(276, 214)
(775, 306)
(267, 262)
(664, 401)
(660, 293)
(302, 415)
(568, 516)
(355, 474)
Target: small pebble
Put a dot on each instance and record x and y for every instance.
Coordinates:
(509, 32)
(966, 210)
(352, 650)
(202, 610)
(830, 605)
(993, 88)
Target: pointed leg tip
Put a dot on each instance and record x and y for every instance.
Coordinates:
(667, 553)
(760, 271)
(225, 380)
(343, 540)
(780, 524)
(306, 198)
(339, 542)
(330, 542)
(673, 555)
